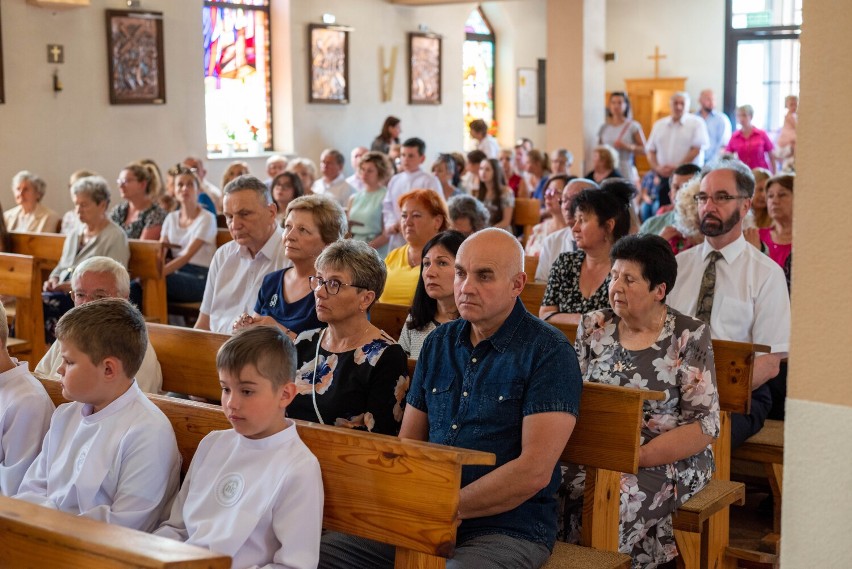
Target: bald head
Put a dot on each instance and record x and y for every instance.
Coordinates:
(489, 277)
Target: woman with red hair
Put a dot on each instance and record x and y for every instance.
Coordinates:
(424, 215)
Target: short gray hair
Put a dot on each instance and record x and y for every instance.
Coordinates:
(367, 268)
(93, 187)
(683, 94)
(35, 180)
(276, 158)
(336, 154)
(328, 215)
(742, 174)
(307, 163)
(747, 109)
(105, 265)
(249, 182)
(464, 206)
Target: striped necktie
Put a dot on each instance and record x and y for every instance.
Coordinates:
(708, 289)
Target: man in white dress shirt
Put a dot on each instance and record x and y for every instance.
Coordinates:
(239, 266)
(675, 140)
(748, 301)
(355, 159)
(332, 183)
(411, 177)
(94, 279)
(484, 141)
(718, 125)
(561, 241)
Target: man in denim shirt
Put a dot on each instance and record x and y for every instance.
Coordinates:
(498, 380)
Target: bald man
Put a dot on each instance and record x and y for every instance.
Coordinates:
(496, 380)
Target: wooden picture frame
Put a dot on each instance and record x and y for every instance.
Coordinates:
(137, 71)
(2, 89)
(424, 69)
(328, 64)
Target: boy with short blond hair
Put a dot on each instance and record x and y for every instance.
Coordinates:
(111, 454)
(253, 492)
(25, 410)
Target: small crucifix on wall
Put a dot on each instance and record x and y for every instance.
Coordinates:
(657, 57)
(55, 53)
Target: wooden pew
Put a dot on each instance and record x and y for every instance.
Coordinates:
(223, 236)
(530, 266)
(527, 213)
(20, 276)
(35, 536)
(188, 359)
(389, 317)
(145, 263)
(532, 295)
(404, 493)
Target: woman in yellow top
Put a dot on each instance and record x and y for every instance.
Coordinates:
(424, 215)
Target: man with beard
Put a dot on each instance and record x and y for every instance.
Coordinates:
(734, 287)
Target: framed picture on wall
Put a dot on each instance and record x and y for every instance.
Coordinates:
(328, 64)
(137, 71)
(424, 69)
(527, 92)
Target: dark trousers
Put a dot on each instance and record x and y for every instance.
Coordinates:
(767, 402)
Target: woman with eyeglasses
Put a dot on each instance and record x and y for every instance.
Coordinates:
(553, 218)
(139, 214)
(351, 373)
(285, 298)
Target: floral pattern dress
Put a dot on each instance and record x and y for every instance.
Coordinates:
(680, 364)
(563, 286)
(363, 388)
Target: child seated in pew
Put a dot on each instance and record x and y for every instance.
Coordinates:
(254, 492)
(111, 454)
(25, 410)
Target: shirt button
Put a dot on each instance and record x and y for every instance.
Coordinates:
(473, 360)
(434, 390)
(455, 427)
(500, 398)
(464, 394)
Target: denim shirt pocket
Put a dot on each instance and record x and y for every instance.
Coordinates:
(500, 409)
(440, 397)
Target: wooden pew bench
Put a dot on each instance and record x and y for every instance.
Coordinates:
(145, 264)
(404, 493)
(187, 359)
(532, 296)
(20, 277)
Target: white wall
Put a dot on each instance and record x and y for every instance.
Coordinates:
(54, 134)
(690, 33)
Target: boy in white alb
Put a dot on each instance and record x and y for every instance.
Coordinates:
(254, 492)
(25, 410)
(110, 455)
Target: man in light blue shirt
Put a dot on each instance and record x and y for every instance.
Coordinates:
(718, 125)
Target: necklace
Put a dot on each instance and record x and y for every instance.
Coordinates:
(351, 345)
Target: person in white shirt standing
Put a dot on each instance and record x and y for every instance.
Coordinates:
(238, 267)
(484, 141)
(411, 177)
(332, 183)
(675, 140)
(731, 285)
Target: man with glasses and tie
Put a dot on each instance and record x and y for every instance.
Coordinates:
(97, 278)
(734, 287)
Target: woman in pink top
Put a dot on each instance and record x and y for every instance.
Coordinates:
(778, 239)
(751, 144)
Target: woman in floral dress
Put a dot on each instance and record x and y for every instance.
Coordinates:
(643, 344)
(351, 373)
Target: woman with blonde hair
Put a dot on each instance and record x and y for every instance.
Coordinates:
(605, 164)
(139, 215)
(234, 170)
(365, 207)
(306, 170)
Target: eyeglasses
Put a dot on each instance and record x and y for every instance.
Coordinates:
(122, 181)
(80, 297)
(718, 199)
(332, 286)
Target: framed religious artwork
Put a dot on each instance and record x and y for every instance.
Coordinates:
(328, 64)
(137, 71)
(424, 69)
(527, 92)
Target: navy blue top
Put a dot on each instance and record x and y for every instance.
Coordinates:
(296, 316)
(477, 398)
(206, 202)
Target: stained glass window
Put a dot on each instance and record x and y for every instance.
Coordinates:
(478, 63)
(237, 84)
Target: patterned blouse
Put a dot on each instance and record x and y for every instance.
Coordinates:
(563, 287)
(363, 388)
(154, 216)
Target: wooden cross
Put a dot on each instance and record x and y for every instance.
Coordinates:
(55, 54)
(657, 57)
(387, 73)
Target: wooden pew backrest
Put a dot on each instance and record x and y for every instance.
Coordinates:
(223, 236)
(188, 359)
(532, 295)
(146, 264)
(47, 246)
(20, 276)
(389, 317)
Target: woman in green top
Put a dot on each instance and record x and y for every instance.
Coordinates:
(365, 208)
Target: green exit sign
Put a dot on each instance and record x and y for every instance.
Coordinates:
(759, 19)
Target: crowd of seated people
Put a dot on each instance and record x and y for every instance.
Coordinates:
(312, 252)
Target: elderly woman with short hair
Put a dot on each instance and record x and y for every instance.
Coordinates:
(751, 144)
(604, 164)
(306, 170)
(643, 344)
(30, 214)
(467, 214)
(351, 373)
(285, 297)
